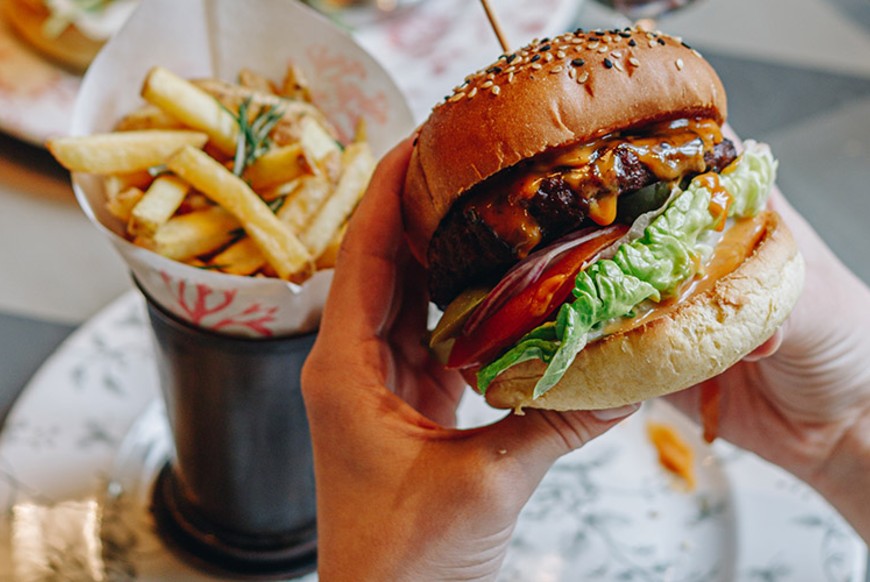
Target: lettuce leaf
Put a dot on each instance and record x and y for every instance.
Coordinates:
(668, 253)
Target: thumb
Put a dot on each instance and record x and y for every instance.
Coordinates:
(538, 438)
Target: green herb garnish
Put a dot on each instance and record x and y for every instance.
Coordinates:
(276, 204)
(253, 140)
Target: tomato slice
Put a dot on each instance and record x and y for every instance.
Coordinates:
(530, 307)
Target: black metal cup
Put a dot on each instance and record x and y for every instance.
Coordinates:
(238, 495)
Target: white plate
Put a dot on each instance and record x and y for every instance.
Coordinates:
(36, 96)
(88, 432)
(428, 50)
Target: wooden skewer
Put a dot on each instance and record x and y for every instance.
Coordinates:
(493, 21)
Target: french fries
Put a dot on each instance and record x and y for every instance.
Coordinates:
(193, 234)
(122, 152)
(192, 106)
(277, 166)
(358, 167)
(245, 178)
(281, 247)
(157, 205)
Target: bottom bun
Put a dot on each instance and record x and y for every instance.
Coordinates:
(699, 339)
(70, 48)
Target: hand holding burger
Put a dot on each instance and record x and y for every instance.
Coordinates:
(803, 401)
(592, 237)
(402, 496)
(401, 493)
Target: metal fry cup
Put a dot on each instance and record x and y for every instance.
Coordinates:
(237, 496)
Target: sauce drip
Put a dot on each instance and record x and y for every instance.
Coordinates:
(720, 201)
(674, 453)
(737, 244)
(670, 150)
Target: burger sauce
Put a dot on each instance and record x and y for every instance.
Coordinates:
(670, 150)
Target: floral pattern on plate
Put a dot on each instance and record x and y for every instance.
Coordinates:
(89, 432)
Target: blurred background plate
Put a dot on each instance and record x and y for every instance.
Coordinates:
(427, 49)
(36, 95)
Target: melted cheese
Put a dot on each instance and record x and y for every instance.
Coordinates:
(670, 150)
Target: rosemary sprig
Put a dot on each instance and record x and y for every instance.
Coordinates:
(276, 204)
(253, 140)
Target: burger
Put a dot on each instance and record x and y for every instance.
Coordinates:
(70, 32)
(590, 234)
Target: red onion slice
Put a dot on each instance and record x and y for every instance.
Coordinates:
(529, 270)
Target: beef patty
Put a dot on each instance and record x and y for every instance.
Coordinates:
(466, 249)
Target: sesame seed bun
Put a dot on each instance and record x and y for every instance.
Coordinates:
(701, 338)
(70, 48)
(572, 90)
(553, 92)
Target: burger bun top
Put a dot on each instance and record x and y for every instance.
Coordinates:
(570, 89)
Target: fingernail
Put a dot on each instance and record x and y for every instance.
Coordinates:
(609, 414)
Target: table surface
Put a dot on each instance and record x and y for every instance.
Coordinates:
(797, 73)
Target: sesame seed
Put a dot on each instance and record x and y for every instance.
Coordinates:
(625, 34)
(556, 69)
(652, 44)
(602, 49)
(583, 77)
(536, 66)
(496, 90)
(493, 70)
(560, 54)
(486, 85)
(662, 41)
(608, 63)
(546, 47)
(697, 54)
(679, 64)
(685, 45)
(472, 93)
(577, 62)
(510, 77)
(457, 97)
(618, 66)
(632, 42)
(616, 55)
(634, 61)
(536, 58)
(548, 57)
(593, 45)
(510, 58)
(576, 40)
(572, 73)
